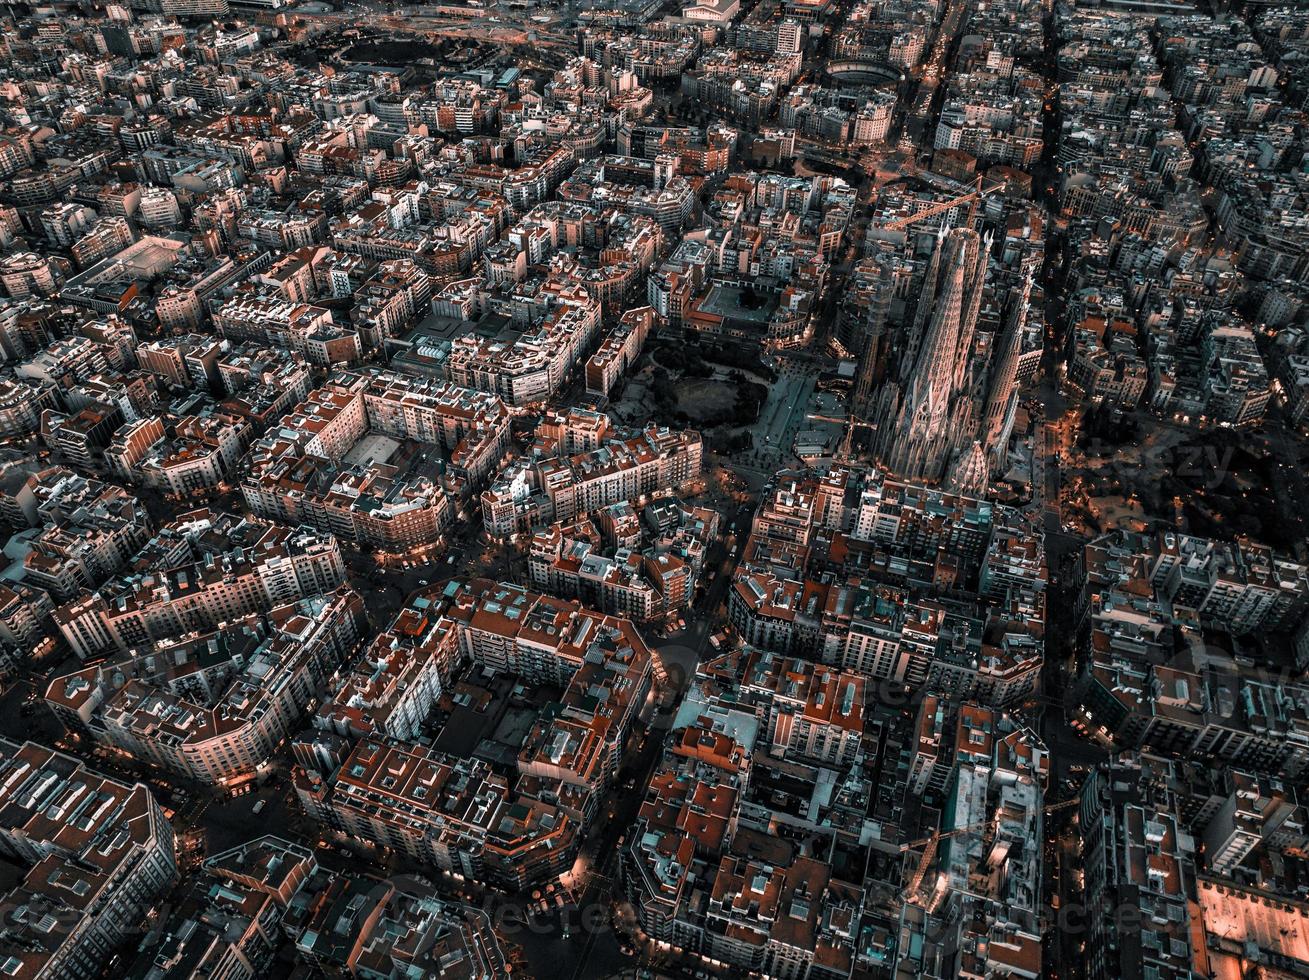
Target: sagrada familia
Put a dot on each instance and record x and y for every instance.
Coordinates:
(946, 411)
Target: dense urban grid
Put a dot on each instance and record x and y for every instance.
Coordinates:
(807, 489)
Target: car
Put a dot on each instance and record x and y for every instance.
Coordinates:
(259, 806)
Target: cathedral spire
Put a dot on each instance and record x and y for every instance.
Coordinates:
(921, 429)
(1002, 396)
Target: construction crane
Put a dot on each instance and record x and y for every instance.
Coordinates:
(928, 858)
(815, 417)
(930, 845)
(838, 347)
(971, 199)
(850, 422)
(941, 835)
(1063, 805)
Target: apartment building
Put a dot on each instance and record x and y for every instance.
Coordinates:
(363, 457)
(214, 707)
(201, 570)
(94, 855)
(564, 488)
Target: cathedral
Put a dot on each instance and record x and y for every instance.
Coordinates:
(945, 414)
